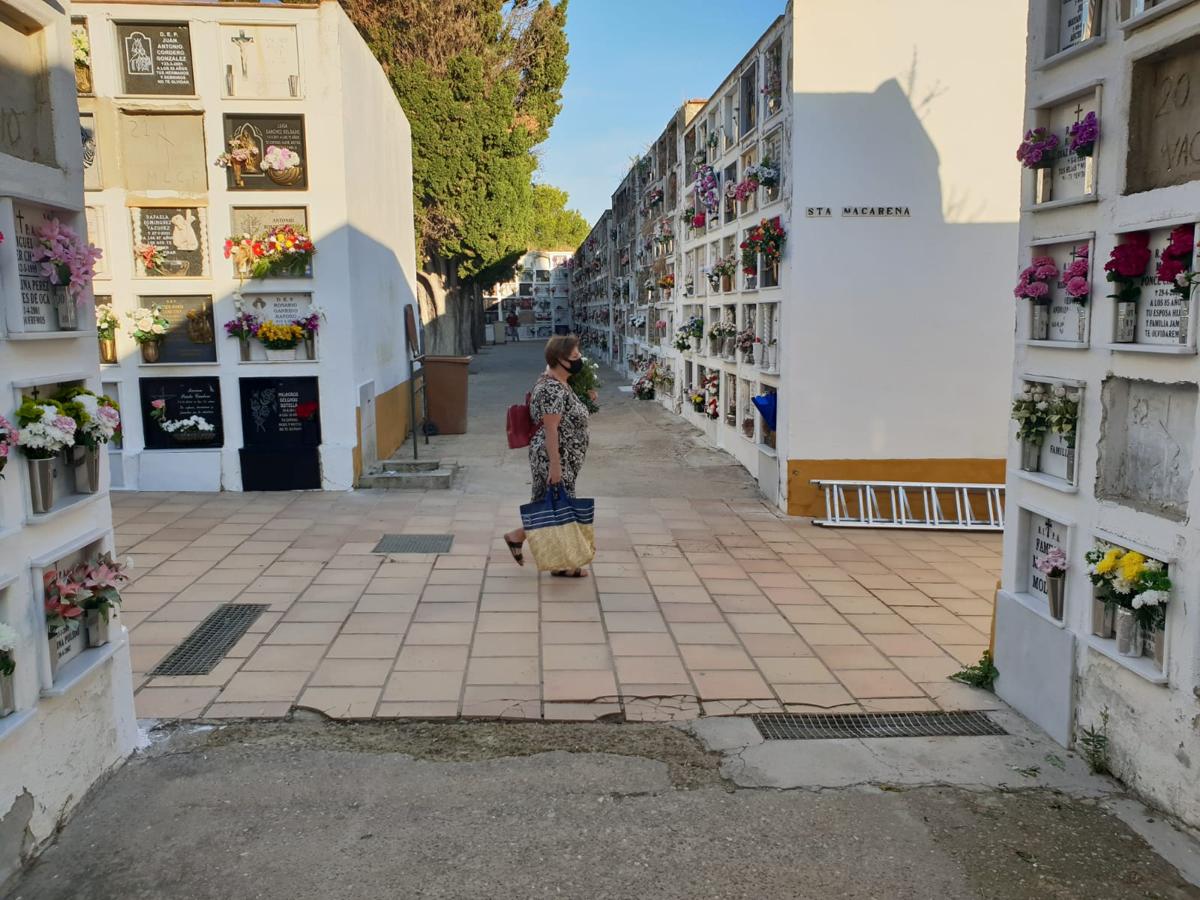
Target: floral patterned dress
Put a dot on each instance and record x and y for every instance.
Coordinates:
(551, 397)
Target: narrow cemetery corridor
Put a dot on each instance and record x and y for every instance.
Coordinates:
(703, 600)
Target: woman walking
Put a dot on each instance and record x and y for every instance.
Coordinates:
(557, 450)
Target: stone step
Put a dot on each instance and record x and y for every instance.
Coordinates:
(439, 479)
(411, 465)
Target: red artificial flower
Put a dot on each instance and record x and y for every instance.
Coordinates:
(1130, 258)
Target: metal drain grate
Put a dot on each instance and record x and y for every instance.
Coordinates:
(208, 643)
(415, 543)
(832, 726)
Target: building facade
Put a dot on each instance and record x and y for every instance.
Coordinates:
(539, 295)
(66, 708)
(829, 358)
(1097, 625)
(213, 130)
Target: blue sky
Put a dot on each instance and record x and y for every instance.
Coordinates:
(632, 63)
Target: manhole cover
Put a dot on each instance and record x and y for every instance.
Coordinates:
(415, 543)
(832, 726)
(211, 640)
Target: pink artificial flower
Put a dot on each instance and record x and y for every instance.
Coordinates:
(1036, 290)
(158, 404)
(1077, 269)
(1078, 287)
(109, 416)
(64, 423)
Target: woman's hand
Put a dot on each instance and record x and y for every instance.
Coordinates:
(592, 395)
(555, 472)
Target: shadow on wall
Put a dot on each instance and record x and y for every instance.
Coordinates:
(921, 306)
(352, 350)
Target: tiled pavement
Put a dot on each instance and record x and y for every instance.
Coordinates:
(695, 608)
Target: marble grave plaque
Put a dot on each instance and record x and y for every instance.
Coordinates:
(1044, 535)
(183, 397)
(191, 335)
(260, 61)
(163, 152)
(179, 234)
(263, 132)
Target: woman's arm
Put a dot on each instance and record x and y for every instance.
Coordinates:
(550, 424)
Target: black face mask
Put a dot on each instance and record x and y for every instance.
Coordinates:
(574, 366)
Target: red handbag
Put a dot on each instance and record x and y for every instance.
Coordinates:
(520, 425)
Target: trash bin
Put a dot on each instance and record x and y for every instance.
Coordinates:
(446, 393)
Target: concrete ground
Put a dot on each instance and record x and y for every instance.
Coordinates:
(310, 809)
(703, 600)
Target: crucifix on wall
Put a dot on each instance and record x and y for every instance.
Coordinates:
(240, 40)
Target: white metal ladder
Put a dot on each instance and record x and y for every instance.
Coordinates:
(861, 504)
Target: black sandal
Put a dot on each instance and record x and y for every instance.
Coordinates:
(572, 573)
(515, 550)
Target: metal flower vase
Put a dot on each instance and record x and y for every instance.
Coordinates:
(8, 703)
(1039, 322)
(310, 346)
(87, 468)
(1126, 332)
(108, 350)
(1055, 585)
(244, 348)
(1185, 311)
(1129, 633)
(98, 628)
(41, 484)
(1154, 645)
(1104, 619)
(1031, 452)
(150, 351)
(65, 308)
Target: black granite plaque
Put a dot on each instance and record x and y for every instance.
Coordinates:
(262, 133)
(190, 336)
(280, 412)
(156, 57)
(181, 398)
(180, 237)
(293, 469)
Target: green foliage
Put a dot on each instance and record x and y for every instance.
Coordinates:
(981, 675)
(553, 226)
(481, 83)
(588, 379)
(1093, 742)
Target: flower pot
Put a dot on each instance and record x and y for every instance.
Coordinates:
(192, 437)
(1043, 186)
(759, 353)
(1129, 633)
(150, 351)
(285, 177)
(726, 283)
(1039, 322)
(285, 355)
(97, 628)
(729, 348)
(1104, 618)
(1054, 595)
(1185, 311)
(8, 702)
(65, 308)
(772, 359)
(1030, 456)
(108, 350)
(1080, 323)
(1071, 465)
(83, 78)
(86, 461)
(41, 484)
(1126, 332)
(1154, 645)
(244, 348)
(65, 645)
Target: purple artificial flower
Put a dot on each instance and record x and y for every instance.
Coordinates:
(1083, 134)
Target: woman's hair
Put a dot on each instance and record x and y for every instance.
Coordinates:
(559, 348)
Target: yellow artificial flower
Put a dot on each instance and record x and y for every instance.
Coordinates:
(1131, 565)
(1109, 562)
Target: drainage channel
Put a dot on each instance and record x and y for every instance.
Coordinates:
(835, 726)
(200, 651)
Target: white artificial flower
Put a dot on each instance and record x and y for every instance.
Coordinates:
(1122, 585)
(1060, 391)
(1150, 598)
(157, 329)
(8, 638)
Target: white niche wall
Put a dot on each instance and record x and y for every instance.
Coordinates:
(1069, 319)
